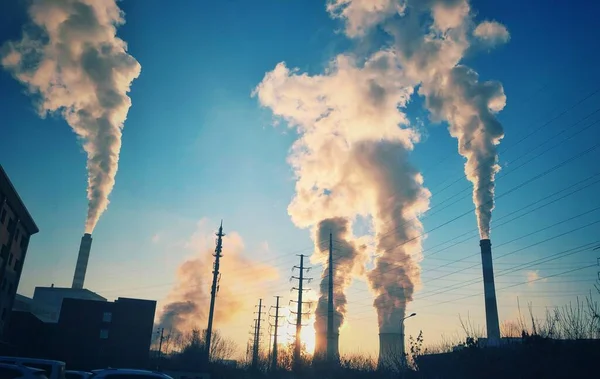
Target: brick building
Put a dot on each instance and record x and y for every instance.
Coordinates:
(95, 334)
(16, 227)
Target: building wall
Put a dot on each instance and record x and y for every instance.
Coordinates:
(95, 334)
(16, 227)
(47, 301)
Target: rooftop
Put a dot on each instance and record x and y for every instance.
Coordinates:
(14, 200)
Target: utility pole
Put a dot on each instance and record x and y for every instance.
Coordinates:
(214, 289)
(330, 314)
(301, 279)
(274, 356)
(255, 350)
(162, 330)
(160, 341)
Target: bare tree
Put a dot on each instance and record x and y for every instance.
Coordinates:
(357, 362)
(573, 321)
(471, 330)
(445, 345)
(510, 329)
(221, 348)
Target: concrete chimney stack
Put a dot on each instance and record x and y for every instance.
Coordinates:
(391, 350)
(82, 261)
(491, 307)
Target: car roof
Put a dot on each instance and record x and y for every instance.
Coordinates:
(130, 371)
(10, 365)
(30, 360)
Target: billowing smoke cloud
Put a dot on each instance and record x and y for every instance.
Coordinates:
(351, 159)
(430, 55)
(187, 304)
(348, 260)
(72, 60)
(401, 198)
(491, 33)
(469, 106)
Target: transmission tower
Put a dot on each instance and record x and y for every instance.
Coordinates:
(330, 314)
(276, 326)
(250, 343)
(255, 350)
(214, 288)
(299, 313)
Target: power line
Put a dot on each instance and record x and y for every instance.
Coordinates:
(559, 255)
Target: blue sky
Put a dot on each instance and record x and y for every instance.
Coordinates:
(196, 146)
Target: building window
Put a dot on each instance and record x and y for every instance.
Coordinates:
(3, 216)
(3, 284)
(107, 317)
(10, 259)
(10, 288)
(3, 314)
(103, 334)
(17, 233)
(17, 265)
(24, 240)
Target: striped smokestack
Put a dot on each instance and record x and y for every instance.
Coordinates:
(82, 261)
(491, 307)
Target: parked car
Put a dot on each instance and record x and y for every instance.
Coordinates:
(72, 374)
(52, 369)
(10, 371)
(120, 373)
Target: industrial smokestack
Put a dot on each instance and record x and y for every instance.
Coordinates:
(82, 261)
(323, 342)
(491, 308)
(391, 350)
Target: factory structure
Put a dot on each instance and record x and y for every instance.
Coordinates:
(82, 261)
(392, 344)
(46, 305)
(47, 301)
(491, 306)
(64, 323)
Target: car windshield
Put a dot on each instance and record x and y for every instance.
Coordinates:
(73, 375)
(40, 375)
(131, 376)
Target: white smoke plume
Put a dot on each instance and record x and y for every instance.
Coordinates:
(351, 159)
(492, 33)
(71, 60)
(430, 54)
(187, 305)
(348, 261)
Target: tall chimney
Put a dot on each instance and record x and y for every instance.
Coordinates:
(82, 261)
(391, 350)
(324, 342)
(491, 307)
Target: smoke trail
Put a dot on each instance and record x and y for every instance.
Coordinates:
(347, 260)
(187, 304)
(72, 60)
(430, 54)
(401, 198)
(468, 106)
(351, 159)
